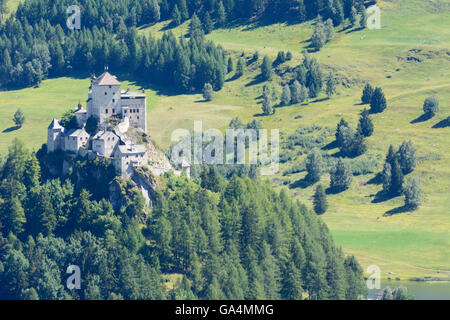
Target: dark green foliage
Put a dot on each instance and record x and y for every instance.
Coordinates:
(431, 106)
(400, 293)
(365, 125)
(286, 95)
(19, 118)
(230, 66)
(320, 200)
(91, 125)
(331, 84)
(208, 92)
(314, 166)
(407, 157)
(68, 120)
(341, 176)
(367, 94)
(266, 69)
(378, 101)
(413, 193)
(239, 68)
(350, 141)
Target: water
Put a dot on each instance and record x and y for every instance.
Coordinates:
(437, 290)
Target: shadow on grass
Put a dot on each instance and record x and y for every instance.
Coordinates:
(424, 117)
(256, 80)
(397, 210)
(376, 179)
(335, 190)
(381, 196)
(302, 183)
(11, 129)
(442, 124)
(332, 145)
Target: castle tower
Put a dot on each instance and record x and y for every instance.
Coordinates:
(104, 97)
(54, 136)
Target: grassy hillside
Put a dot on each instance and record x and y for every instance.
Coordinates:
(406, 244)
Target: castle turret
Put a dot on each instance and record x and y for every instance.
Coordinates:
(54, 136)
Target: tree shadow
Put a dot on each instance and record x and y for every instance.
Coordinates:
(335, 190)
(424, 117)
(256, 80)
(442, 124)
(320, 100)
(376, 179)
(332, 145)
(381, 196)
(397, 210)
(302, 183)
(11, 129)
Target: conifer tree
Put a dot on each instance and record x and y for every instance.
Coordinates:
(239, 68)
(407, 157)
(431, 106)
(330, 85)
(295, 90)
(365, 125)
(378, 101)
(320, 200)
(286, 95)
(314, 165)
(208, 92)
(413, 193)
(266, 69)
(367, 94)
(341, 176)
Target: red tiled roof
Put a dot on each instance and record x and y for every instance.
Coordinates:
(106, 79)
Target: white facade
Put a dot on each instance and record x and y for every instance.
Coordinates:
(76, 139)
(105, 99)
(128, 157)
(104, 143)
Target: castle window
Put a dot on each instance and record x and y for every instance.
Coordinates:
(114, 100)
(125, 111)
(114, 111)
(138, 117)
(106, 93)
(106, 110)
(110, 87)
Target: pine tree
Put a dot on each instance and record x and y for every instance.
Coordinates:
(431, 106)
(396, 184)
(295, 92)
(367, 94)
(15, 216)
(208, 92)
(19, 118)
(363, 18)
(318, 37)
(230, 66)
(183, 9)
(314, 165)
(365, 125)
(239, 68)
(267, 105)
(286, 95)
(195, 28)
(413, 193)
(304, 94)
(407, 157)
(330, 85)
(329, 30)
(341, 176)
(378, 101)
(266, 69)
(176, 16)
(208, 24)
(221, 15)
(353, 17)
(320, 200)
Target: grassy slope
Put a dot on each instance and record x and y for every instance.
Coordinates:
(408, 244)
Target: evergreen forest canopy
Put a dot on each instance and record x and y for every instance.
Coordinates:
(229, 239)
(35, 42)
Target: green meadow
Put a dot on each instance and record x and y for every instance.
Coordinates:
(404, 245)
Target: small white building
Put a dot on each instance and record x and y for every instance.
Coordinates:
(55, 136)
(76, 139)
(104, 143)
(128, 157)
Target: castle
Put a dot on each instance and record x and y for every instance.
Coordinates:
(105, 101)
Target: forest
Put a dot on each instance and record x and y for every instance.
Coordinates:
(228, 239)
